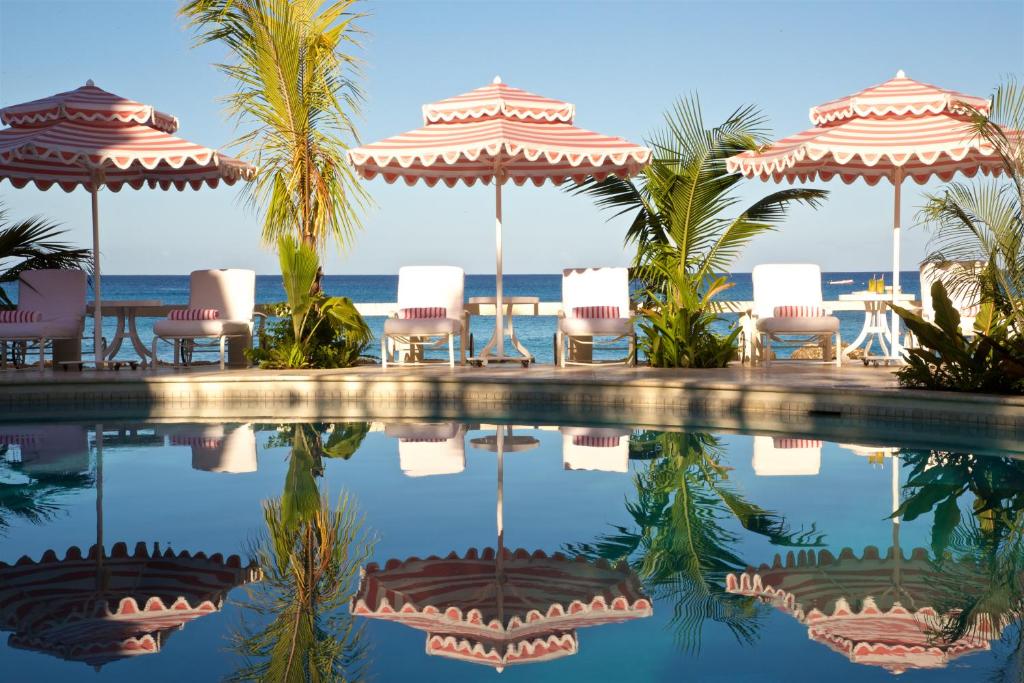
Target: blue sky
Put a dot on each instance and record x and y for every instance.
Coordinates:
(622, 64)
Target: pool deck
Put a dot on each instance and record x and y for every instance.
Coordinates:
(787, 397)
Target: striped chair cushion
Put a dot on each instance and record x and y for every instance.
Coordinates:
(799, 312)
(20, 316)
(194, 314)
(426, 440)
(596, 441)
(197, 441)
(784, 443)
(18, 439)
(423, 313)
(596, 312)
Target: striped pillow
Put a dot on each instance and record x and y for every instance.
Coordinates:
(428, 440)
(198, 441)
(791, 442)
(194, 314)
(423, 313)
(20, 316)
(596, 441)
(799, 312)
(596, 312)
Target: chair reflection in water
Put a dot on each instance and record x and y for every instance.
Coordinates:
(217, 447)
(48, 449)
(776, 456)
(429, 448)
(604, 449)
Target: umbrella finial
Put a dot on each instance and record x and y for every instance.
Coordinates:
(89, 82)
(900, 74)
(497, 80)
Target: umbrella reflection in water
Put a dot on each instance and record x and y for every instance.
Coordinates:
(501, 607)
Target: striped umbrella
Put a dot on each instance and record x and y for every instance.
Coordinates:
(498, 133)
(66, 608)
(898, 129)
(875, 610)
(91, 138)
(512, 607)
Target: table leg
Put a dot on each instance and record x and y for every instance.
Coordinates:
(133, 334)
(863, 332)
(115, 343)
(512, 335)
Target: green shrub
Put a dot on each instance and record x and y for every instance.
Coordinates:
(991, 361)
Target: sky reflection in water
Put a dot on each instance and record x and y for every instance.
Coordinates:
(443, 550)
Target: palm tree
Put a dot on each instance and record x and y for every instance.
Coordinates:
(983, 220)
(680, 545)
(297, 95)
(33, 244)
(686, 216)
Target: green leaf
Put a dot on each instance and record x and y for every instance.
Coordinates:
(947, 517)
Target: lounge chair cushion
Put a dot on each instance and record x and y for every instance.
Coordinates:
(68, 327)
(422, 326)
(576, 327)
(423, 313)
(20, 316)
(176, 329)
(800, 311)
(799, 325)
(589, 312)
(194, 314)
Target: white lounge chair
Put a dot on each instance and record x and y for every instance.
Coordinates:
(788, 303)
(595, 304)
(962, 285)
(56, 299)
(427, 449)
(786, 456)
(216, 447)
(604, 449)
(431, 311)
(230, 292)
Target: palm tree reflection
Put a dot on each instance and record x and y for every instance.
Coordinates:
(298, 627)
(680, 544)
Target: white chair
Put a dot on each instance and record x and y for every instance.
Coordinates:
(962, 285)
(796, 287)
(604, 449)
(216, 447)
(57, 298)
(427, 449)
(229, 291)
(786, 456)
(48, 449)
(595, 304)
(431, 311)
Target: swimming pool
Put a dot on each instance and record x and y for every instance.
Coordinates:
(403, 550)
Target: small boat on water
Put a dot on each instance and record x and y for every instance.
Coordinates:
(840, 282)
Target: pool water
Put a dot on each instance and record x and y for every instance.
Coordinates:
(399, 551)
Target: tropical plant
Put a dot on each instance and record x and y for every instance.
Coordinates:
(991, 360)
(312, 330)
(680, 544)
(982, 220)
(296, 99)
(33, 244)
(309, 566)
(688, 226)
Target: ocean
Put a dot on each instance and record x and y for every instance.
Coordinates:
(535, 332)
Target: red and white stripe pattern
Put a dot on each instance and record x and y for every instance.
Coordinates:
(20, 316)
(423, 313)
(592, 312)
(194, 314)
(462, 597)
(789, 442)
(819, 590)
(19, 439)
(89, 104)
(210, 442)
(55, 605)
(501, 652)
(70, 145)
(899, 96)
(799, 312)
(596, 441)
(525, 136)
(901, 126)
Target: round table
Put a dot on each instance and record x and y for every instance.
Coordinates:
(127, 312)
(509, 302)
(876, 327)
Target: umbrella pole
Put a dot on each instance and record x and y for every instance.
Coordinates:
(499, 322)
(97, 312)
(894, 344)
